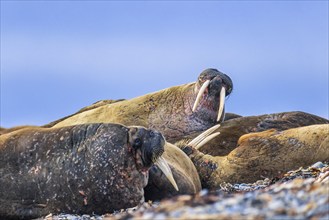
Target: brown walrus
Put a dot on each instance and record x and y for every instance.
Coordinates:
(90, 168)
(174, 111)
(263, 154)
(231, 130)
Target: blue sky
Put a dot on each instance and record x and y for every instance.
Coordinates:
(59, 56)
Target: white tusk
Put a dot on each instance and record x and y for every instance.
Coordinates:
(164, 167)
(200, 93)
(221, 102)
(202, 136)
(207, 139)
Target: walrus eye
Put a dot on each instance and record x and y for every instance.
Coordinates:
(151, 134)
(137, 143)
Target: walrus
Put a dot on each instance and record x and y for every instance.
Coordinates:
(264, 154)
(234, 127)
(175, 111)
(82, 169)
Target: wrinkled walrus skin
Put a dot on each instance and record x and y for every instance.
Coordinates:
(261, 155)
(168, 111)
(90, 168)
(231, 130)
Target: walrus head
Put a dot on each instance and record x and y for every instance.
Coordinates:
(148, 147)
(211, 88)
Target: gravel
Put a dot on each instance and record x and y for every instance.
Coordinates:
(298, 194)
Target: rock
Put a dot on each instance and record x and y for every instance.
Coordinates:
(299, 197)
(317, 165)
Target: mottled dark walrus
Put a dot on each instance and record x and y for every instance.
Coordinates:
(90, 168)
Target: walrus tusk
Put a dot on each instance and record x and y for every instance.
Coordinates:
(194, 143)
(221, 102)
(207, 139)
(164, 167)
(200, 93)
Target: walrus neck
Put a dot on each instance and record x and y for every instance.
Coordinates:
(173, 115)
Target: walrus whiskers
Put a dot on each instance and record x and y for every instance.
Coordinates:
(221, 102)
(156, 154)
(164, 167)
(194, 143)
(200, 93)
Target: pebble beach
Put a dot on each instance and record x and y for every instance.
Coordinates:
(297, 194)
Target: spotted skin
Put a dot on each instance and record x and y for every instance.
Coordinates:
(80, 169)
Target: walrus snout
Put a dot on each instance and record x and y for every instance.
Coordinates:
(217, 80)
(148, 145)
(212, 87)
